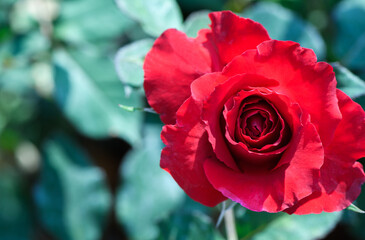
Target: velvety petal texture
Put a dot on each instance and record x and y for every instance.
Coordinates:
(341, 175)
(301, 78)
(172, 64)
(230, 36)
(175, 60)
(255, 120)
(275, 190)
(213, 108)
(186, 149)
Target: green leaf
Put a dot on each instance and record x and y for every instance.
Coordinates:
(195, 22)
(283, 226)
(129, 62)
(17, 100)
(20, 19)
(194, 5)
(155, 16)
(356, 221)
(349, 46)
(132, 109)
(5, 9)
(348, 82)
(72, 197)
(356, 209)
(190, 221)
(15, 73)
(147, 186)
(88, 92)
(15, 219)
(283, 24)
(83, 21)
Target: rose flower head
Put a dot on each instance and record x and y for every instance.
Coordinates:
(255, 120)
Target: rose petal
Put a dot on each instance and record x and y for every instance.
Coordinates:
(348, 187)
(278, 189)
(186, 149)
(213, 108)
(232, 112)
(244, 152)
(172, 64)
(341, 176)
(300, 78)
(349, 141)
(235, 122)
(272, 135)
(202, 87)
(231, 35)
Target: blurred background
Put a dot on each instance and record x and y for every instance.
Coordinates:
(74, 165)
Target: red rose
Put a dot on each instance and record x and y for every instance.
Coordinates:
(255, 120)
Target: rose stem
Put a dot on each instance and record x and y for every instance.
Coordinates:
(230, 224)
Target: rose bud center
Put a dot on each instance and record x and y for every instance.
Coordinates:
(255, 125)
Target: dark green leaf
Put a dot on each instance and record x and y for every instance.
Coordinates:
(71, 196)
(193, 5)
(155, 16)
(356, 220)
(20, 18)
(148, 193)
(15, 74)
(260, 226)
(88, 92)
(349, 44)
(129, 62)
(348, 82)
(195, 22)
(190, 221)
(15, 220)
(82, 21)
(283, 24)
(356, 209)
(17, 101)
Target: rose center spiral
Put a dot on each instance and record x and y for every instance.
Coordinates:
(255, 125)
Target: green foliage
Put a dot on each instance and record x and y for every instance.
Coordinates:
(357, 221)
(147, 186)
(15, 219)
(259, 226)
(300, 227)
(190, 221)
(349, 43)
(145, 12)
(193, 5)
(88, 92)
(71, 196)
(195, 22)
(57, 73)
(283, 24)
(348, 82)
(355, 208)
(85, 21)
(129, 62)
(17, 97)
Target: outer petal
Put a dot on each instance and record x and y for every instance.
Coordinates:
(186, 149)
(276, 190)
(341, 175)
(348, 187)
(231, 35)
(202, 87)
(349, 141)
(301, 78)
(172, 64)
